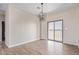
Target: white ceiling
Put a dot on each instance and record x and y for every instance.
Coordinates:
(48, 7)
(3, 6)
(32, 7)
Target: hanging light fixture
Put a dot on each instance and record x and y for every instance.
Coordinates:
(42, 15)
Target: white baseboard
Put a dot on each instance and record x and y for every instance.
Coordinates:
(6, 44)
(21, 43)
(70, 43)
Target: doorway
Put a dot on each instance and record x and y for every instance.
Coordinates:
(3, 30)
(55, 30)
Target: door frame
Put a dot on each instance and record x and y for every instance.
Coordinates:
(54, 30)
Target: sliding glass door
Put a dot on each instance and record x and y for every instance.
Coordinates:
(55, 30)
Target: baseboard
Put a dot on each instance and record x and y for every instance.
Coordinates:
(6, 44)
(70, 43)
(21, 43)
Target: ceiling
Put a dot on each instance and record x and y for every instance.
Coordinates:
(48, 7)
(33, 7)
(3, 6)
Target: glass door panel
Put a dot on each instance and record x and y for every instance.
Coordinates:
(58, 31)
(51, 30)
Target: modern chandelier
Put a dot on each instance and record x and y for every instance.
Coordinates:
(42, 15)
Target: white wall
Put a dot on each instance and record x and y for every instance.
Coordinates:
(22, 27)
(70, 21)
(43, 29)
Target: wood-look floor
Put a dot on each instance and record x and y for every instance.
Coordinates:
(40, 47)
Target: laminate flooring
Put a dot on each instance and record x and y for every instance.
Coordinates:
(40, 47)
